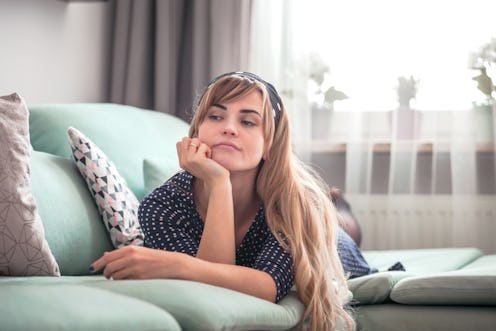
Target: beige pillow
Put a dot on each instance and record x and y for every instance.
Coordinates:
(23, 248)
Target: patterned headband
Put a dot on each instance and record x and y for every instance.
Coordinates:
(275, 99)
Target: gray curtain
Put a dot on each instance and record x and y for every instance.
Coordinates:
(165, 51)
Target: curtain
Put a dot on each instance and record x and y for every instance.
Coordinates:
(165, 51)
(415, 179)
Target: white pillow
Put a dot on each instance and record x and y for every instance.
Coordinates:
(116, 203)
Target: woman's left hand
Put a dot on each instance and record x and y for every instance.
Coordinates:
(136, 262)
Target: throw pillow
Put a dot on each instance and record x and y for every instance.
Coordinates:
(116, 203)
(155, 172)
(24, 250)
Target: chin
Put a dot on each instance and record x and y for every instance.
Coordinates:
(228, 164)
(231, 165)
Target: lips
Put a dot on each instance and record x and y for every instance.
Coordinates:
(226, 145)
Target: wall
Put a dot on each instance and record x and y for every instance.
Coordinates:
(405, 221)
(55, 51)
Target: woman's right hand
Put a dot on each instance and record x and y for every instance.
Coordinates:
(196, 158)
(136, 262)
(218, 242)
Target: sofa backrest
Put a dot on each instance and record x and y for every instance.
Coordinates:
(126, 134)
(129, 136)
(73, 227)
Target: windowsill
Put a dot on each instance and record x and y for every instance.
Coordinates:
(322, 146)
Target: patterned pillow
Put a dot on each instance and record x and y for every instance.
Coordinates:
(116, 203)
(24, 250)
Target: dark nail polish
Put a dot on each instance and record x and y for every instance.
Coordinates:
(91, 269)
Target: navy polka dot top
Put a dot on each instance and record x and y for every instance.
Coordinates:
(170, 221)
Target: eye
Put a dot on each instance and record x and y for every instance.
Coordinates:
(214, 117)
(248, 123)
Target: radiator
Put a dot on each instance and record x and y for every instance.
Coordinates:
(405, 221)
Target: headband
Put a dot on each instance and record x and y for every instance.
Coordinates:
(275, 99)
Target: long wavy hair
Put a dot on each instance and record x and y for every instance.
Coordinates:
(297, 207)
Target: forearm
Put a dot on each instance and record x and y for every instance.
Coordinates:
(218, 240)
(134, 262)
(242, 279)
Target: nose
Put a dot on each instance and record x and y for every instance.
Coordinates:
(230, 129)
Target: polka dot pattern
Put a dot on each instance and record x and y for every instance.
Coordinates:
(170, 221)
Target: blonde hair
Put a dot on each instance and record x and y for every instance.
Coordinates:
(298, 210)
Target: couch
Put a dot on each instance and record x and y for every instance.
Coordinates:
(441, 289)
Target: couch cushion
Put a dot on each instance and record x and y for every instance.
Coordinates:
(374, 288)
(198, 306)
(394, 317)
(73, 227)
(23, 248)
(424, 261)
(127, 134)
(72, 307)
(377, 288)
(156, 172)
(474, 284)
(117, 204)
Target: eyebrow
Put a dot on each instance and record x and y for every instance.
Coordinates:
(245, 111)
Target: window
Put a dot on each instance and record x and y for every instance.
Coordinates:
(368, 45)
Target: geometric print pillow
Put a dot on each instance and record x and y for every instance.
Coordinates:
(24, 250)
(116, 203)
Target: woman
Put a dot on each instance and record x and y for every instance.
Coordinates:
(245, 214)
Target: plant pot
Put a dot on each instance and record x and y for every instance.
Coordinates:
(405, 123)
(484, 123)
(321, 122)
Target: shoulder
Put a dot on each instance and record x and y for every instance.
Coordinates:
(177, 192)
(172, 202)
(182, 181)
(181, 184)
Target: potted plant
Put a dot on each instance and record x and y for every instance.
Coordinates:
(322, 95)
(483, 62)
(405, 122)
(407, 91)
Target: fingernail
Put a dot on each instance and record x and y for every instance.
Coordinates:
(91, 269)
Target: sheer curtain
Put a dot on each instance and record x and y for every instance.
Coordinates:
(416, 177)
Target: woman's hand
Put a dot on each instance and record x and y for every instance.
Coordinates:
(136, 262)
(195, 157)
(218, 239)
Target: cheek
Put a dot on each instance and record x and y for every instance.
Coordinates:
(202, 133)
(259, 147)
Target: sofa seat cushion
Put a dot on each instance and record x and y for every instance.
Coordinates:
(474, 284)
(394, 317)
(196, 306)
(374, 288)
(377, 287)
(424, 261)
(127, 134)
(59, 306)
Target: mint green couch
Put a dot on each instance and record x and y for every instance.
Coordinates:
(449, 289)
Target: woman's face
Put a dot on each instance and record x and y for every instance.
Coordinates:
(234, 132)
